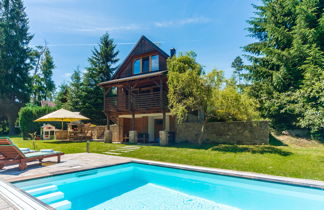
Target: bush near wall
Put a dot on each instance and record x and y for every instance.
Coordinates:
(28, 114)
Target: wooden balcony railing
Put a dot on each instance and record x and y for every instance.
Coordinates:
(137, 102)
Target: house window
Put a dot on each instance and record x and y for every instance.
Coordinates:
(146, 64)
(137, 66)
(155, 63)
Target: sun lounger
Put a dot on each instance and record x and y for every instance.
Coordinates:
(26, 150)
(7, 140)
(11, 154)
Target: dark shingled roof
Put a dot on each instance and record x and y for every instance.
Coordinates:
(140, 76)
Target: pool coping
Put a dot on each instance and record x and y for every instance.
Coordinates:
(240, 174)
(20, 198)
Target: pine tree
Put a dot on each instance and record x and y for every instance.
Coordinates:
(287, 32)
(101, 69)
(74, 95)
(238, 74)
(309, 42)
(47, 67)
(61, 97)
(311, 95)
(14, 58)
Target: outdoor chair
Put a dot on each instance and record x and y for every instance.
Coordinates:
(11, 154)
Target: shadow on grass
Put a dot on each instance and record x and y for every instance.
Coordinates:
(251, 149)
(191, 146)
(275, 142)
(61, 142)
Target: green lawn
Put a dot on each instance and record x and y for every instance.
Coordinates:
(297, 159)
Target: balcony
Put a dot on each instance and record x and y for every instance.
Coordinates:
(141, 102)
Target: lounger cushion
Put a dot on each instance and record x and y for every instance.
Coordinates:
(46, 150)
(35, 154)
(24, 150)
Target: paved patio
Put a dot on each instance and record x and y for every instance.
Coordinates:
(6, 205)
(84, 161)
(69, 163)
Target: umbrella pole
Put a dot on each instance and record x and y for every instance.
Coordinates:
(62, 126)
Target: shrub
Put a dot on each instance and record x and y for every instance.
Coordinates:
(28, 114)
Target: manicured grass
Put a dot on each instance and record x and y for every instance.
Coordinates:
(294, 160)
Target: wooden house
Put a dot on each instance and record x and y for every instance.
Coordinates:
(136, 97)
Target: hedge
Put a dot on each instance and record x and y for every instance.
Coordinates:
(28, 114)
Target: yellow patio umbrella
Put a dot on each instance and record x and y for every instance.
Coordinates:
(62, 115)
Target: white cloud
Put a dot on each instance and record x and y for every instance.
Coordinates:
(182, 22)
(53, 19)
(84, 44)
(130, 27)
(50, 1)
(67, 75)
(69, 20)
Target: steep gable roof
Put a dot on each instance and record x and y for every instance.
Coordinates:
(136, 48)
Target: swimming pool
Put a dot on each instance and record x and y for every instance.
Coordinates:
(140, 186)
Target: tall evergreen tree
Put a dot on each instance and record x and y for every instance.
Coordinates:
(47, 67)
(288, 33)
(310, 97)
(102, 66)
(61, 97)
(238, 73)
(14, 59)
(74, 95)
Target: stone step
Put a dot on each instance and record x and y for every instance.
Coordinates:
(61, 205)
(42, 190)
(51, 197)
(112, 153)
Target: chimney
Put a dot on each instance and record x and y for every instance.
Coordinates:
(172, 52)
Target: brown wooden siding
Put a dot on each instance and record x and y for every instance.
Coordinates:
(141, 103)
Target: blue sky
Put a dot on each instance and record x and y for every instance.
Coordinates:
(214, 29)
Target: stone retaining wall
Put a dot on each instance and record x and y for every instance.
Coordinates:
(256, 132)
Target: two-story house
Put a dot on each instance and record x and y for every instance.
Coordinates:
(136, 97)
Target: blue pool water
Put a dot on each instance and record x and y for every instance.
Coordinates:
(139, 186)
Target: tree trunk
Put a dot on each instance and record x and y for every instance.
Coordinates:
(202, 132)
(10, 109)
(11, 121)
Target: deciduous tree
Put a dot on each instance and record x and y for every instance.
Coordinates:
(210, 95)
(42, 84)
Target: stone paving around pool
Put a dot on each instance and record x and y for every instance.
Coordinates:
(6, 205)
(84, 161)
(69, 163)
(123, 149)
